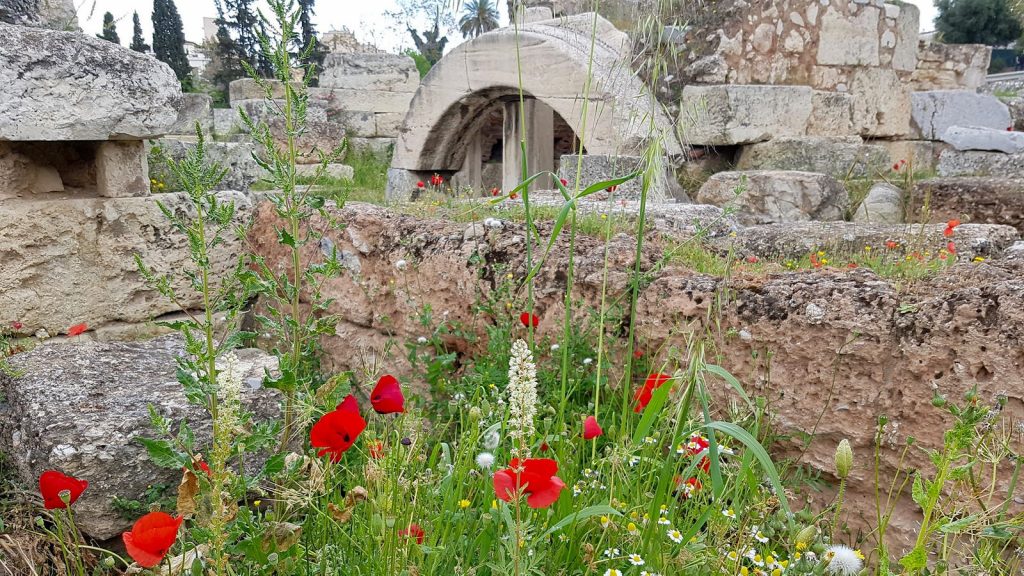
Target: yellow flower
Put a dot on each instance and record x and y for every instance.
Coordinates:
(979, 259)
(867, 248)
(859, 554)
(605, 521)
(494, 504)
(464, 503)
(257, 502)
(801, 545)
(604, 216)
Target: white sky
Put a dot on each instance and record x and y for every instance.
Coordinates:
(364, 17)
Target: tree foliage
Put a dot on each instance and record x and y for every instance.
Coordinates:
(478, 17)
(428, 23)
(169, 38)
(109, 29)
(138, 41)
(239, 27)
(307, 38)
(989, 22)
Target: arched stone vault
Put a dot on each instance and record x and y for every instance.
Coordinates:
(449, 108)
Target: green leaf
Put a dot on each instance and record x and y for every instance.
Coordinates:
(958, 526)
(917, 491)
(730, 380)
(916, 560)
(273, 466)
(285, 238)
(163, 454)
(593, 188)
(588, 512)
(760, 453)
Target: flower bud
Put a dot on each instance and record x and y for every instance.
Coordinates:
(806, 536)
(844, 459)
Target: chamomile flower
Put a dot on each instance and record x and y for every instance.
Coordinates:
(729, 513)
(612, 572)
(760, 537)
(611, 552)
(632, 529)
(675, 535)
(636, 560)
(664, 521)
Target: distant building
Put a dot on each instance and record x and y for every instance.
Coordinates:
(197, 57)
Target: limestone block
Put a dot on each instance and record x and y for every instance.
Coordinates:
(971, 138)
(226, 121)
(919, 154)
(881, 106)
(833, 156)
(831, 114)
(768, 196)
(389, 124)
(904, 57)
(335, 171)
(402, 185)
(882, 205)
(380, 146)
(537, 14)
(79, 266)
(849, 39)
(109, 388)
(55, 14)
(975, 199)
(977, 163)
(935, 111)
(363, 71)
(601, 167)
(739, 114)
(356, 123)
(236, 158)
(122, 169)
(249, 89)
(72, 86)
(362, 100)
(193, 108)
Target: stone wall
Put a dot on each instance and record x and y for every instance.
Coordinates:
(950, 66)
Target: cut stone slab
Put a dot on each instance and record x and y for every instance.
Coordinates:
(837, 157)
(975, 138)
(122, 169)
(79, 407)
(797, 239)
(362, 71)
(73, 86)
(980, 200)
(935, 111)
(769, 196)
(335, 171)
(881, 105)
(739, 114)
(920, 154)
(71, 260)
(978, 163)
(600, 168)
(882, 205)
(193, 108)
(226, 121)
(831, 114)
(235, 157)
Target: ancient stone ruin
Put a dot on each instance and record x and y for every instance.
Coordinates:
(773, 114)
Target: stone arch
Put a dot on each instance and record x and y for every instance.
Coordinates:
(451, 104)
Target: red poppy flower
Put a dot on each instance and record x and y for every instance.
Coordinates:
(535, 477)
(17, 325)
(696, 446)
(951, 247)
(377, 450)
(638, 353)
(896, 167)
(752, 259)
(613, 188)
(591, 429)
(950, 228)
(544, 447)
(529, 319)
(495, 191)
(564, 182)
(852, 265)
(337, 430)
(513, 196)
(643, 395)
(891, 245)
(151, 538)
(436, 180)
(689, 487)
(77, 329)
(413, 531)
(387, 397)
(420, 184)
(53, 483)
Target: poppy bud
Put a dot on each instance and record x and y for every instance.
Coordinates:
(806, 536)
(844, 459)
(406, 441)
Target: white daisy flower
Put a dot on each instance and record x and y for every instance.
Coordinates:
(675, 536)
(664, 521)
(612, 572)
(729, 513)
(636, 560)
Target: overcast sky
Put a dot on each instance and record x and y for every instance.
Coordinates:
(364, 17)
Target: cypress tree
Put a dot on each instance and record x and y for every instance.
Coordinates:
(109, 29)
(169, 38)
(138, 43)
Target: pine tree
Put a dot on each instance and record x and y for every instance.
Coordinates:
(244, 26)
(138, 43)
(988, 22)
(109, 29)
(169, 38)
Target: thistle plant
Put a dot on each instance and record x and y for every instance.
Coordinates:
(294, 307)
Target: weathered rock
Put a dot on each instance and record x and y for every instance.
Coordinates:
(226, 121)
(837, 157)
(885, 347)
(234, 157)
(56, 14)
(596, 168)
(981, 200)
(1015, 252)
(335, 171)
(919, 154)
(768, 196)
(72, 86)
(936, 111)
(882, 205)
(944, 66)
(80, 407)
(742, 114)
(360, 71)
(972, 138)
(831, 114)
(796, 240)
(122, 169)
(79, 266)
(881, 105)
(193, 109)
(977, 163)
